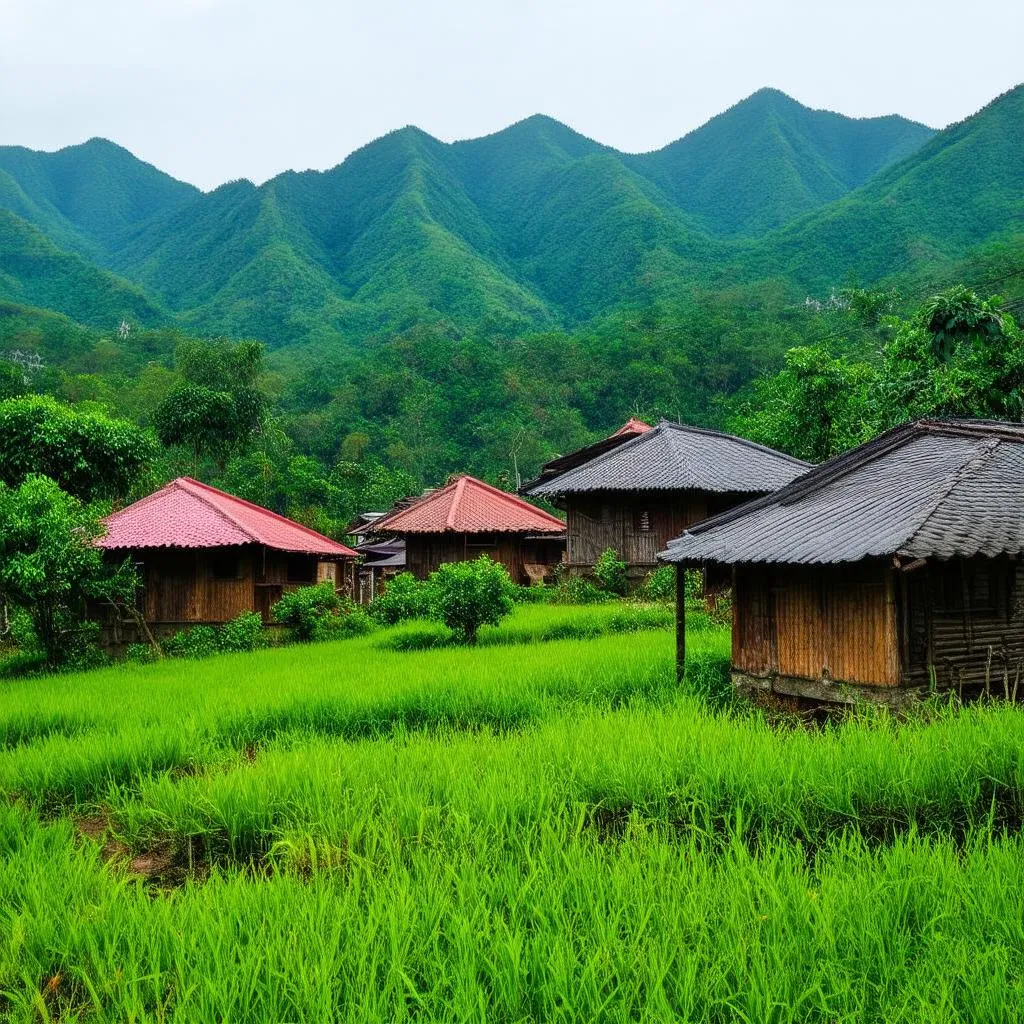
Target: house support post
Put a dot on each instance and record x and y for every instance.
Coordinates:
(680, 622)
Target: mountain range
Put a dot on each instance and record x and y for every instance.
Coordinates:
(533, 227)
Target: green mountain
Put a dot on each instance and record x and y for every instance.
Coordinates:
(87, 197)
(769, 159)
(533, 227)
(35, 272)
(960, 189)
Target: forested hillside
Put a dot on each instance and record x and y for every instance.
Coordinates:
(532, 227)
(484, 305)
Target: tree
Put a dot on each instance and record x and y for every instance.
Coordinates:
(815, 407)
(468, 595)
(89, 454)
(959, 356)
(50, 565)
(218, 405)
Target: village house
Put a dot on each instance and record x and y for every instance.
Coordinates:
(886, 572)
(380, 559)
(204, 556)
(467, 518)
(634, 491)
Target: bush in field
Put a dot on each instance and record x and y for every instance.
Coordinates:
(197, 642)
(577, 590)
(535, 593)
(468, 595)
(403, 597)
(693, 586)
(244, 633)
(319, 613)
(610, 572)
(660, 584)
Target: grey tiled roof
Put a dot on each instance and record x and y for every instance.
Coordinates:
(931, 489)
(673, 457)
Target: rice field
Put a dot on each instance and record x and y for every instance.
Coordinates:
(544, 828)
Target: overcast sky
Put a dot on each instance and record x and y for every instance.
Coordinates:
(211, 90)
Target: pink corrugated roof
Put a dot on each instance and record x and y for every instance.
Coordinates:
(632, 426)
(188, 514)
(468, 505)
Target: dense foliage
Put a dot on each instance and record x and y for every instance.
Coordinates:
(50, 568)
(90, 455)
(468, 595)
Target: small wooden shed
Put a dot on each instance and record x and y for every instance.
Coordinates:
(641, 487)
(205, 556)
(885, 572)
(467, 518)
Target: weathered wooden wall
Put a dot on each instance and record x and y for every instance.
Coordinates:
(817, 622)
(637, 524)
(182, 586)
(425, 552)
(956, 613)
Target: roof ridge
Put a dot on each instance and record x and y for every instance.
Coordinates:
(710, 432)
(824, 474)
(460, 490)
(262, 509)
(514, 499)
(180, 483)
(973, 460)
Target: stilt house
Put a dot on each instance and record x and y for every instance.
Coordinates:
(468, 518)
(205, 556)
(885, 572)
(648, 487)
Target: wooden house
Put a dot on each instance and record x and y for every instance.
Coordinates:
(467, 518)
(205, 556)
(883, 573)
(634, 493)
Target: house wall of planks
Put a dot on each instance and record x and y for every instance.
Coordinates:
(817, 622)
(425, 552)
(635, 524)
(215, 585)
(957, 624)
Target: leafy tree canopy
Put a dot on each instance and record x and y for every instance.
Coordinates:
(89, 454)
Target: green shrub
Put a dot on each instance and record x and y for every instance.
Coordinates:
(660, 584)
(536, 593)
(244, 633)
(610, 572)
(197, 642)
(420, 638)
(403, 597)
(574, 589)
(467, 595)
(139, 654)
(319, 613)
(22, 663)
(693, 586)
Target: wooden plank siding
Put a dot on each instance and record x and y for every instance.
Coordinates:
(831, 622)
(425, 552)
(218, 584)
(635, 524)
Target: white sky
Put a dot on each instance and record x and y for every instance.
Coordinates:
(211, 90)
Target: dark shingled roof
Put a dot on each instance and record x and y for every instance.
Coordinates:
(674, 457)
(563, 463)
(930, 489)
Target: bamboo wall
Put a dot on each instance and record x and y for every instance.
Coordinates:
(636, 525)
(830, 622)
(425, 552)
(964, 619)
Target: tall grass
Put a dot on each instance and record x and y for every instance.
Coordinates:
(536, 829)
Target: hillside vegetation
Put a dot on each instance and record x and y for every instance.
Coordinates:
(532, 227)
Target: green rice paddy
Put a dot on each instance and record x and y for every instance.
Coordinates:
(543, 828)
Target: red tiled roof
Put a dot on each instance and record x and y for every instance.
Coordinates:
(468, 505)
(630, 427)
(188, 514)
